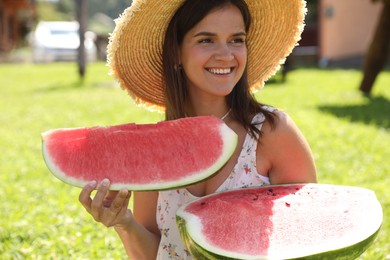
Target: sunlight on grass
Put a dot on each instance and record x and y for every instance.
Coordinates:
(41, 217)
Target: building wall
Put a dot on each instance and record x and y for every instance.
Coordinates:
(346, 27)
(14, 14)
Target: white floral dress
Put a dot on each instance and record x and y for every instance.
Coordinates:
(243, 175)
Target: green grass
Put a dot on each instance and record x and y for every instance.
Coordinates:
(41, 217)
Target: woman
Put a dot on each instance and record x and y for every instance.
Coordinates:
(215, 55)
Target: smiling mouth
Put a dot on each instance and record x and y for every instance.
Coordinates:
(225, 71)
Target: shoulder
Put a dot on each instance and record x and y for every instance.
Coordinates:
(283, 125)
(285, 151)
(282, 135)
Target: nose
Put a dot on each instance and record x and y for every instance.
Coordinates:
(224, 53)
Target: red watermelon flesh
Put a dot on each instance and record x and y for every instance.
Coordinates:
(140, 157)
(282, 222)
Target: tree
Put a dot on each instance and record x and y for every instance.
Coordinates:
(112, 8)
(48, 11)
(82, 17)
(66, 7)
(378, 51)
(84, 10)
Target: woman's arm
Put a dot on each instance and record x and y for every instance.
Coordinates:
(287, 154)
(141, 239)
(111, 209)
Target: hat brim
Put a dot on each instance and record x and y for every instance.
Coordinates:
(135, 47)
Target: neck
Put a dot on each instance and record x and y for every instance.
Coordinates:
(217, 108)
(227, 114)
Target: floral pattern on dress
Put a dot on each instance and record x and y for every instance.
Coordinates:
(171, 250)
(165, 232)
(247, 169)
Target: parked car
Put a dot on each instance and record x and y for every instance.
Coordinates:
(59, 41)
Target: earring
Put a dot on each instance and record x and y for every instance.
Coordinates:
(178, 67)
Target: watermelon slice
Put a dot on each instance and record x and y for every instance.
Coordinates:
(140, 157)
(315, 221)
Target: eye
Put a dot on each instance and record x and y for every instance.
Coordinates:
(238, 41)
(205, 40)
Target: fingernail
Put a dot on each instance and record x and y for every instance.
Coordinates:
(105, 182)
(92, 184)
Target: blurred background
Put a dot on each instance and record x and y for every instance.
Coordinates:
(48, 30)
(337, 33)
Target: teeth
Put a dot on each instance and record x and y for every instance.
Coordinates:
(220, 71)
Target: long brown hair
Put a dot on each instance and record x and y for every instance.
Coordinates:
(243, 104)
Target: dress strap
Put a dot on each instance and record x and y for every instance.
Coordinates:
(259, 118)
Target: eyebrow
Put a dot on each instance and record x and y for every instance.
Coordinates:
(214, 34)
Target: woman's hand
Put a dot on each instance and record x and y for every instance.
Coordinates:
(107, 207)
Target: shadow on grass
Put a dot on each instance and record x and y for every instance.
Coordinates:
(376, 111)
(60, 86)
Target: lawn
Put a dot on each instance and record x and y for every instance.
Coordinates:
(41, 217)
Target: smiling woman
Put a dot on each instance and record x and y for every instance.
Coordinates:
(202, 58)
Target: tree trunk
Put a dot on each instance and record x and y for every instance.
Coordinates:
(378, 52)
(82, 17)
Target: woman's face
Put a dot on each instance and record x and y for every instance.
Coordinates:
(214, 54)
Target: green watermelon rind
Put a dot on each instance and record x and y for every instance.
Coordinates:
(201, 249)
(228, 136)
(347, 253)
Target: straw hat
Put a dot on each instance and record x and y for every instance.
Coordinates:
(135, 48)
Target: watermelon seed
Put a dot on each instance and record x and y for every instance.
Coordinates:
(255, 198)
(288, 204)
(203, 203)
(270, 190)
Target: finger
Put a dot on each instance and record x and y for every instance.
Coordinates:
(85, 195)
(117, 206)
(97, 202)
(111, 195)
(118, 202)
(125, 206)
(128, 198)
(125, 216)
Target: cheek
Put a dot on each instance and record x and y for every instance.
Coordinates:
(242, 57)
(193, 57)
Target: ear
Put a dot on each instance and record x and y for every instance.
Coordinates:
(178, 65)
